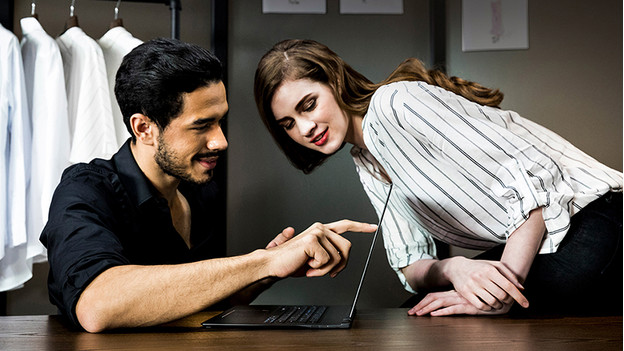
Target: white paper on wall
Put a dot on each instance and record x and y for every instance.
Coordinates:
(294, 6)
(384, 7)
(495, 25)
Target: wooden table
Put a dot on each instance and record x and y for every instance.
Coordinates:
(378, 329)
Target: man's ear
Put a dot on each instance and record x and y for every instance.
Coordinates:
(143, 128)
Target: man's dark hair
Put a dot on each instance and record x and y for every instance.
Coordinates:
(154, 76)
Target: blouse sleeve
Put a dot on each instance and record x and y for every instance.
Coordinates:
(404, 241)
(485, 145)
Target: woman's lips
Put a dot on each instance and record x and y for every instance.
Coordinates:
(321, 139)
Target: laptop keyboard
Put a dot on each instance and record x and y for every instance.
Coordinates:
(296, 314)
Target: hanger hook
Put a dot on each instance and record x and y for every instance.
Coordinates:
(32, 8)
(117, 9)
(71, 8)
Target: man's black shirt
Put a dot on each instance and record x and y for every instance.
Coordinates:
(107, 213)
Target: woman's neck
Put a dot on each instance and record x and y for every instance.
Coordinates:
(355, 135)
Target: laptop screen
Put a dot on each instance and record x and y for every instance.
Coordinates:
(370, 253)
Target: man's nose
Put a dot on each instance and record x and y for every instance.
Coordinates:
(217, 140)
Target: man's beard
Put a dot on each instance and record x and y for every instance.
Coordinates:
(172, 165)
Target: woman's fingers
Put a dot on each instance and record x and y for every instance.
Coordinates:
(442, 304)
(491, 286)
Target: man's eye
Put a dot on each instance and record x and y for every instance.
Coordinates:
(202, 127)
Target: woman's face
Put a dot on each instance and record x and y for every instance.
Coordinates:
(310, 115)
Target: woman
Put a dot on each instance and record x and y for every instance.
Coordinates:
(464, 172)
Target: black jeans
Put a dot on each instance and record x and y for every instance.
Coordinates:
(584, 276)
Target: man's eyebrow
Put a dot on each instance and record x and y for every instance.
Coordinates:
(206, 120)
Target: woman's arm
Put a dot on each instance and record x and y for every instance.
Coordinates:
(486, 285)
(483, 280)
(523, 244)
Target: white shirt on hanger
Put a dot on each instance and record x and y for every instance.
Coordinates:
(15, 142)
(47, 102)
(115, 44)
(90, 118)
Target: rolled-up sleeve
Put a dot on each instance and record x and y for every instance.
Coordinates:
(488, 146)
(79, 237)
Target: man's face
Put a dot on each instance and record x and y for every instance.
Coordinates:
(188, 148)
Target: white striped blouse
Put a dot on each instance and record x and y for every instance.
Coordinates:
(467, 174)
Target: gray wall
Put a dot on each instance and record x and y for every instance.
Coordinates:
(570, 80)
(265, 193)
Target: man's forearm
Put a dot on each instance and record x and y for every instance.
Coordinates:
(129, 296)
(251, 292)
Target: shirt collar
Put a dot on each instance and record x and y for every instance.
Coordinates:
(139, 188)
(30, 25)
(113, 35)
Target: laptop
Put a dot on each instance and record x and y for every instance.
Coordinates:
(295, 316)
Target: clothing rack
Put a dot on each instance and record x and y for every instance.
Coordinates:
(219, 32)
(174, 5)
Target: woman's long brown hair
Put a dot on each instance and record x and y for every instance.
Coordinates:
(297, 59)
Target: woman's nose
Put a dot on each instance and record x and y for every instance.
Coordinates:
(306, 127)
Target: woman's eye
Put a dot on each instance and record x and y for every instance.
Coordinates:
(288, 125)
(309, 106)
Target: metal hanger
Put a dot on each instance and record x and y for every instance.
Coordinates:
(71, 8)
(33, 7)
(72, 21)
(117, 22)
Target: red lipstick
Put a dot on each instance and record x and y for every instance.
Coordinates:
(321, 139)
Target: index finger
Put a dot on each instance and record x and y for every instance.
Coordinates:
(347, 225)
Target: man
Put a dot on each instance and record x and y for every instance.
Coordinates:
(129, 239)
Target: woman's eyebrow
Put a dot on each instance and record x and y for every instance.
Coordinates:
(299, 105)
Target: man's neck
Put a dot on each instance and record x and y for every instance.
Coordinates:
(165, 184)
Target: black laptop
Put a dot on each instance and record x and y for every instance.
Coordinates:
(295, 316)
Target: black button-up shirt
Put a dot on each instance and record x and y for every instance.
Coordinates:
(107, 213)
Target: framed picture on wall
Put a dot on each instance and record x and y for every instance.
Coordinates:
(294, 6)
(378, 7)
(495, 25)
